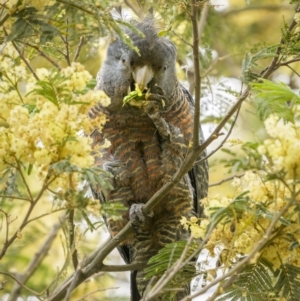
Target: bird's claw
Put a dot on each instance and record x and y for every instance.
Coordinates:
(154, 103)
(159, 99)
(137, 216)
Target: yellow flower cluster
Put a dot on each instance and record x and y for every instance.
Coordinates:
(78, 76)
(39, 132)
(283, 147)
(244, 228)
(196, 226)
(12, 75)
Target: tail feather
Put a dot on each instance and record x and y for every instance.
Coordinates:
(135, 296)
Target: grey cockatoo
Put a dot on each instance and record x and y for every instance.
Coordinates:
(149, 141)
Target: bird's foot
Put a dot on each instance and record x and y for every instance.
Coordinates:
(137, 216)
(154, 103)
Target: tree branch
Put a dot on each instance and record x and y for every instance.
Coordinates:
(194, 17)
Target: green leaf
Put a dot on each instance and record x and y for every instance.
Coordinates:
(114, 210)
(29, 170)
(53, 89)
(166, 257)
(164, 32)
(288, 282)
(253, 283)
(265, 53)
(274, 98)
(247, 74)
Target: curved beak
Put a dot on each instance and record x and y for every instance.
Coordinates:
(142, 76)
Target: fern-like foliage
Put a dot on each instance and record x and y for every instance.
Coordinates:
(165, 259)
(274, 98)
(288, 282)
(254, 283)
(251, 61)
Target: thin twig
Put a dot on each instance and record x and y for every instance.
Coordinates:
(227, 179)
(43, 54)
(294, 60)
(22, 56)
(43, 215)
(14, 197)
(66, 42)
(293, 70)
(96, 291)
(23, 286)
(78, 49)
(224, 140)
(183, 40)
(7, 222)
(72, 238)
(19, 168)
(2, 21)
(218, 59)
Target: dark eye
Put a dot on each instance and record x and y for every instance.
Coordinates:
(165, 68)
(123, 61)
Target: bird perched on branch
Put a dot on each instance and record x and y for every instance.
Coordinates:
(150, 136)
